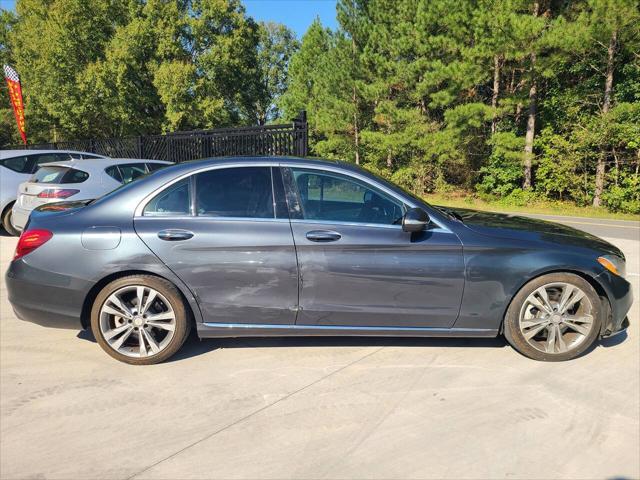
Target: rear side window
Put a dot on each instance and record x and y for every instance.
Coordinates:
(131, 171)
(86, 155)
(114, 173)
(244, 192)
(21, 164)
(155, 166)
(54, 174)
(174, 200)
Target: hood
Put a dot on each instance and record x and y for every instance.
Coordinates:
(532, 229)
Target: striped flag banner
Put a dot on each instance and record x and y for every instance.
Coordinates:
(15, 93)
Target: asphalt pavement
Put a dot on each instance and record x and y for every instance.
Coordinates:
(320, 407)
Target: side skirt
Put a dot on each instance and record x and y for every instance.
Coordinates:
(218, 330)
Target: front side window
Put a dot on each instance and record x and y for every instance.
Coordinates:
(244, 192)
(335, 197)
(174, 200)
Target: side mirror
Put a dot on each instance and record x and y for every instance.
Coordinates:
(415, 220)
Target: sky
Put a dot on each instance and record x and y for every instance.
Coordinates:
(296, 14)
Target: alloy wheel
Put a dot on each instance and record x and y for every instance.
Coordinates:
(137, 321)
(556, 318)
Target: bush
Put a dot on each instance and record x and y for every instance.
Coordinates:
(625, 196)
(503, 172)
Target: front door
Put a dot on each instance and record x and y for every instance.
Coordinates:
(230, 244)
(358, 267)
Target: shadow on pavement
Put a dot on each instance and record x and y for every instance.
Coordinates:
(194, 347)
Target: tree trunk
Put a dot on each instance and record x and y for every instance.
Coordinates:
(608, 90)
(389, 159)
(354, 98)
(356, 130)
(531, 120)
(496, 91)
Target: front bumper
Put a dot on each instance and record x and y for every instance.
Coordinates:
(620, 297)
(19, 217)
(45, 298)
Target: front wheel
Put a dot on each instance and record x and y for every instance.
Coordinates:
(555, 317)
(140, 319)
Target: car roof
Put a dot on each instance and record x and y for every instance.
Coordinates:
(268, 158)
(97, 164)
(17, 153)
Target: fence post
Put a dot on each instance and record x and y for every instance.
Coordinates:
(140, 148)
(301, 134)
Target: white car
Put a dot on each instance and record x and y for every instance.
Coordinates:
(16, 166)
(76, 180)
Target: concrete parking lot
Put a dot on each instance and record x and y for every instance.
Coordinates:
(320, 408)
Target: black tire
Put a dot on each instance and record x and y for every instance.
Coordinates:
(515, 337)
(172, 295)
(6, 222)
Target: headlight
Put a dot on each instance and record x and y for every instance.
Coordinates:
(614, 264)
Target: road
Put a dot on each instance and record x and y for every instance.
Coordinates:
(320, 408)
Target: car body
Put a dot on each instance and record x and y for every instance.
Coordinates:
(17, 166)
(288, 246)
(76, 180)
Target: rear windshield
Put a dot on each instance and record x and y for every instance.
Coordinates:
(59, 175)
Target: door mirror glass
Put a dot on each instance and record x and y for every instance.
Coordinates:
(415, 220)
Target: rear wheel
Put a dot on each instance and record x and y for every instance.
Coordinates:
(140, 319)
(555, 317)
(6, 222)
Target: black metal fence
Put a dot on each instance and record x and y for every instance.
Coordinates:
(288, 139)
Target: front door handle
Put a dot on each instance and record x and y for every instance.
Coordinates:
(174, 235)
(323, 236)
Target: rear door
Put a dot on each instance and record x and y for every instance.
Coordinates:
(224, 234)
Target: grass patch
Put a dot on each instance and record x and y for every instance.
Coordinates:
(467, 200)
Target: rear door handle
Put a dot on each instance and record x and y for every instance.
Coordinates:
(174, 235)
(323, 236)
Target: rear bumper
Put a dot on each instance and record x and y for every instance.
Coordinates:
(19, 217)
(45, 298)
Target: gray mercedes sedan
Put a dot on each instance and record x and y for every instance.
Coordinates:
(285, 246)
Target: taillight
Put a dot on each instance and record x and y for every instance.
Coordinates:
(30, 240)
(57, 193)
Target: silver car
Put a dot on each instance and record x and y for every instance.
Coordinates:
(76, 180)
(16, 166)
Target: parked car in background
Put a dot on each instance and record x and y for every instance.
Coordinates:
(278, 246)
(76, 180)
(16, 166)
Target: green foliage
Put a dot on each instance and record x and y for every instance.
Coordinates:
(406, 87)
(432, 94)
(125, 67)
(503, 174)
(623, 194)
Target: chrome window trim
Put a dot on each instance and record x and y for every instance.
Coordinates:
(141, 206)
(366, 180)
(217, 219)
(285, 164)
